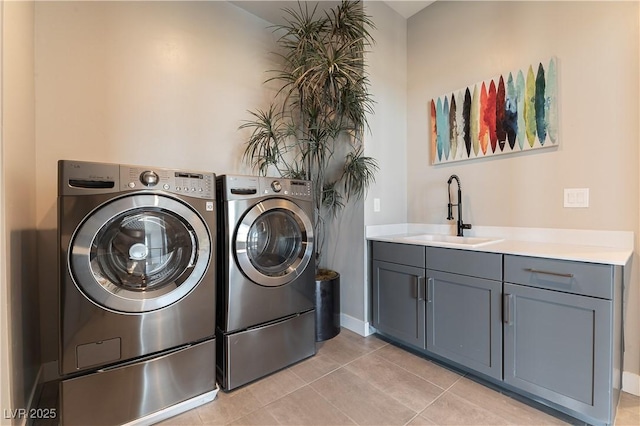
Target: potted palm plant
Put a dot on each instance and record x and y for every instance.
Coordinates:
(314, 127)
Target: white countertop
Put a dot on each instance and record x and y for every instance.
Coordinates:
(606, 247)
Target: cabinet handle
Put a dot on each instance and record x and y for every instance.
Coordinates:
(420, 290)
(429, 290)
(506, 308)
(556, 274)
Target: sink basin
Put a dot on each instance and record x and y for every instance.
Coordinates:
(451, 240)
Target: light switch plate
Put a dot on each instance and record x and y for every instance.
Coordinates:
(576, 197)
(376, 205)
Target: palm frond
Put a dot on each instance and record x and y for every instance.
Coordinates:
(315, 128)
(359, 173)
(332, 199)
(266, 145)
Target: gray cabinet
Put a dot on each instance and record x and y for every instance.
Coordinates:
(399, 288)
(452, 309)
(464, 306)
(561, 333)
(548, 329)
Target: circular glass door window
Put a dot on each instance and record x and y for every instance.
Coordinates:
(274, 242)
(140, 253)
(143, 251)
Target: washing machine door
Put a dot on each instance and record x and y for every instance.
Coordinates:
(140, 253)
(273, 242)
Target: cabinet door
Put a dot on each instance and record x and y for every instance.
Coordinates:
(464, 321)
(398, 302)
(558, 346)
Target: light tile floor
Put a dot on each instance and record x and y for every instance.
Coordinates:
(366, 381)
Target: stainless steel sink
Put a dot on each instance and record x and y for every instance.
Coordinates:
(451, 240)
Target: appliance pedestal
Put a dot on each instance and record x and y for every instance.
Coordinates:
(250, 354)
(150, 389)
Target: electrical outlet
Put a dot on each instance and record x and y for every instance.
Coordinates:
(376, 205)
(576, 197)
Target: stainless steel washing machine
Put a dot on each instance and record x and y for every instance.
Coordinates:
(266, 315)
(137, 291)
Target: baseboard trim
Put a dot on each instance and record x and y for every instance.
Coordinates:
(354, 324)
(631, 383)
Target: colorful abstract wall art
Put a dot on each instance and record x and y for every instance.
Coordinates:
(511, 113)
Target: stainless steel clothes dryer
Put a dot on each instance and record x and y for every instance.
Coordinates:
(266, 316)
(137, 290)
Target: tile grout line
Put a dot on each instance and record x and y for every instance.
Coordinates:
(480, 407)
(441, 395)
(444, 390)
(332, 404)
(340, 367)
(306, 384)
(461, 374)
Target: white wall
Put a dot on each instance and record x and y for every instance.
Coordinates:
(168, 84)
(149, 83)
(387, 142)
(454, 44)
(20, 330)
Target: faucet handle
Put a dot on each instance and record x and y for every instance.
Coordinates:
(450, 211)
(466, 226)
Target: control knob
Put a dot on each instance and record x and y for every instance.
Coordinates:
(149, 178)
(276, 186)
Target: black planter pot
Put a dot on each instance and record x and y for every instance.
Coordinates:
(327, 308)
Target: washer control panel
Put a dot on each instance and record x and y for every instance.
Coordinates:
(193, 184)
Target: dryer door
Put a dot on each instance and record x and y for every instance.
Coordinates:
(140, 253)
(273, 242)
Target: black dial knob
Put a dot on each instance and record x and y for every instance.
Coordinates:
(149, 178)
(276, 186)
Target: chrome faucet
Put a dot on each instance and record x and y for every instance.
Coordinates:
(461, 225)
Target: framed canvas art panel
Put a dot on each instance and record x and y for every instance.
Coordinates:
(513, 112)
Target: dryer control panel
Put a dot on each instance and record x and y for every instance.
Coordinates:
(244, 187)
(87, 178)
(193, 184)
(301, 188)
